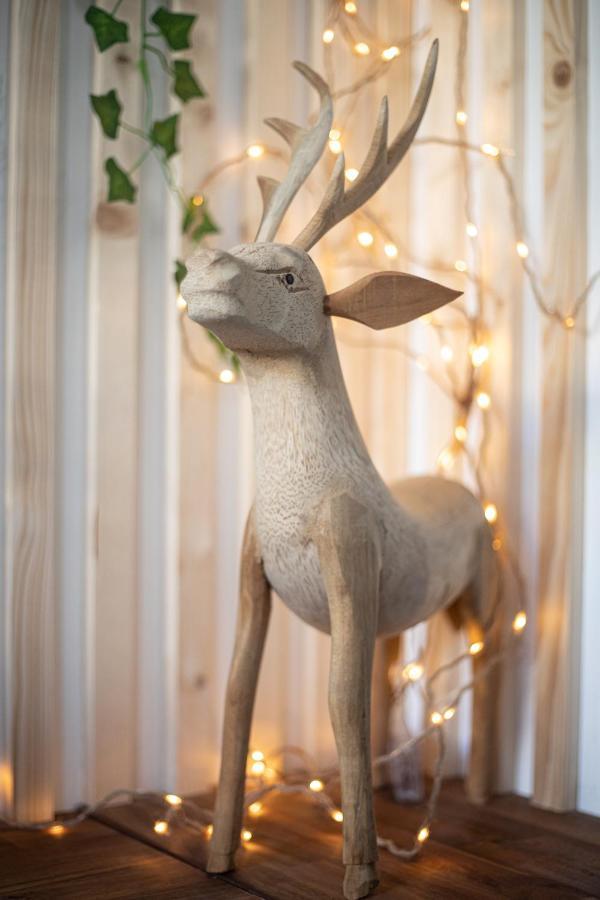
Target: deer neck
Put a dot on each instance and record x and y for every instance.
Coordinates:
(303, 420)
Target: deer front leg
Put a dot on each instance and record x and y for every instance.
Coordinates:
(253, 619)
(350, 560)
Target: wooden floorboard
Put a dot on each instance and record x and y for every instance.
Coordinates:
(504, 849)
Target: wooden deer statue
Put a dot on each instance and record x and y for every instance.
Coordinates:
(347, 554)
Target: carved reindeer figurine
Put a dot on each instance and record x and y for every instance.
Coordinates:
(347, 554)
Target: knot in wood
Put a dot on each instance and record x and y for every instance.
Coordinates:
(562, 72)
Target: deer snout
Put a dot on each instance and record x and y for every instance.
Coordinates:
(213, 287)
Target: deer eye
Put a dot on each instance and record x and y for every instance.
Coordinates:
(289, 278)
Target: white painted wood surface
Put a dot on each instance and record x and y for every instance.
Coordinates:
(151, 512)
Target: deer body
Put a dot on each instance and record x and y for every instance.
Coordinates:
(348, 555)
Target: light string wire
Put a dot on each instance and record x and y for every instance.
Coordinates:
(263, 777)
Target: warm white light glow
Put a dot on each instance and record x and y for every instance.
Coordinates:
(316, 785)
(257, 755)
(226, 376)
(173, 799)
(496, 544)
(476, 647)
(479, 354)
(365, 238)
(161, 827)
(335, 147)
(569, 322)
(449, 713)
(490, 511)
(350, 7)
(255, 151)
(447, 353)
(461, 117)
(490, 150)
(181, 304)
(390, 250)
(209, 830)
(461, 433)
(258, 767)
(362, 49)
(390, 53)
(446, 459)
(522, 249)
(328, 35)
(246, 835)
(483, 400)
(471, 229)
(423, 834)
(460, 265)
(436, 718)
(335, 134)
(255, 809)
(337, 815)
(413, 671)
(57, 830)
(351, 174)
(464, 5)
(197, 200)
(519, 621)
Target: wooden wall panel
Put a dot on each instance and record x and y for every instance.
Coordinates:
(30, 437)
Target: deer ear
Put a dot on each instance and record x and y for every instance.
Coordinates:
(386, 299)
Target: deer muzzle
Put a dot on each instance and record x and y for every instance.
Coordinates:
(214, 286)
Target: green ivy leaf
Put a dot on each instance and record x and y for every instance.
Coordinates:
(108, 109)
(120, 186)
(174, 27)
(164, 134)
(185, 86)
(179, 273)
(207, 226)
(107, 30)
(188, 216)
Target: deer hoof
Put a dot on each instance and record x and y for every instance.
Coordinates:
(359, 881)
(218, 863)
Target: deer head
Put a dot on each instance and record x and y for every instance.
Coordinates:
(266, 297)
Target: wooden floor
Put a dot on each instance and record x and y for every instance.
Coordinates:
(505, 849)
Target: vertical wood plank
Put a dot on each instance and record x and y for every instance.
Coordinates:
(561, 463)
(31, 304)
(114, 287)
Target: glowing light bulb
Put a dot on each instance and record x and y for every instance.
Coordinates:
(365, 238)
(255, 809)
(209, 830)
(226, 376)
(337, 815)
(335, 147)
(246, 835)
(461, 433)
(413, 671)
(258, 767)
(257, 755)
(483, 400)
(479, 354)
(490, 150)
(173, 799)
(449, 713)
(181, 304)
(254, 151)
(161, 827)
(390, 250)
(362, 49)
(335, 134)
(328, 35)
(519, 622)
(522, 249)
(390, 53)
(446, 459)
(490, 511)
(351, 8)
(460, 265)
(57, 830)
(464, 5)
(316, 785)
(476, 647)
(471, 229)
(496, 544)
(461, 117)
(423, 834)
(569, 322)
(351, 174)
(447, 353)
(436, 718)
(197, 200)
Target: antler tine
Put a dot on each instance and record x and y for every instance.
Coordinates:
(379, 163)
(307, 145)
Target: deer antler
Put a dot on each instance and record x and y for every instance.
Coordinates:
(380, 162)
(307, 146)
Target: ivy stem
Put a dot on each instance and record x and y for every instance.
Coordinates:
(137, 131)
(115, 7)
(140, 159)
(143, 67)
(162, 58)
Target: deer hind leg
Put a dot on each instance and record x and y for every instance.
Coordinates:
(387, 652)
(474, 611)
(253, 619)
(350, 560)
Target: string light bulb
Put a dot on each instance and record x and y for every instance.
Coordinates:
(328, 35)
(390, 250)
(173, 799)
(497, 544)
(460, 265)
(316, 785)
(519, 622)
(490, 150)
(449, 713)
(255, 809)
(436, 718)
(335, 146)
(351, 8)
(461, 117)
(246, 835)
(447, 353)
(569, 322)
(476, 647)
(57, 830)
(446, 459)
(337, 815)
(461, 434)
(255, 151)
(226, 376)
(181, 303)
(413, 671)
(362, 49)
(423, 834)
(471, 229)
(258, 767)
(161, 827)
(479, 354)
(490, 512)
(390, 53)
(197, 200)
(365, 238)
(351, 174)
(257, 755)
(483, 400)
(522, 249)
(209, 830)
(464, 5)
